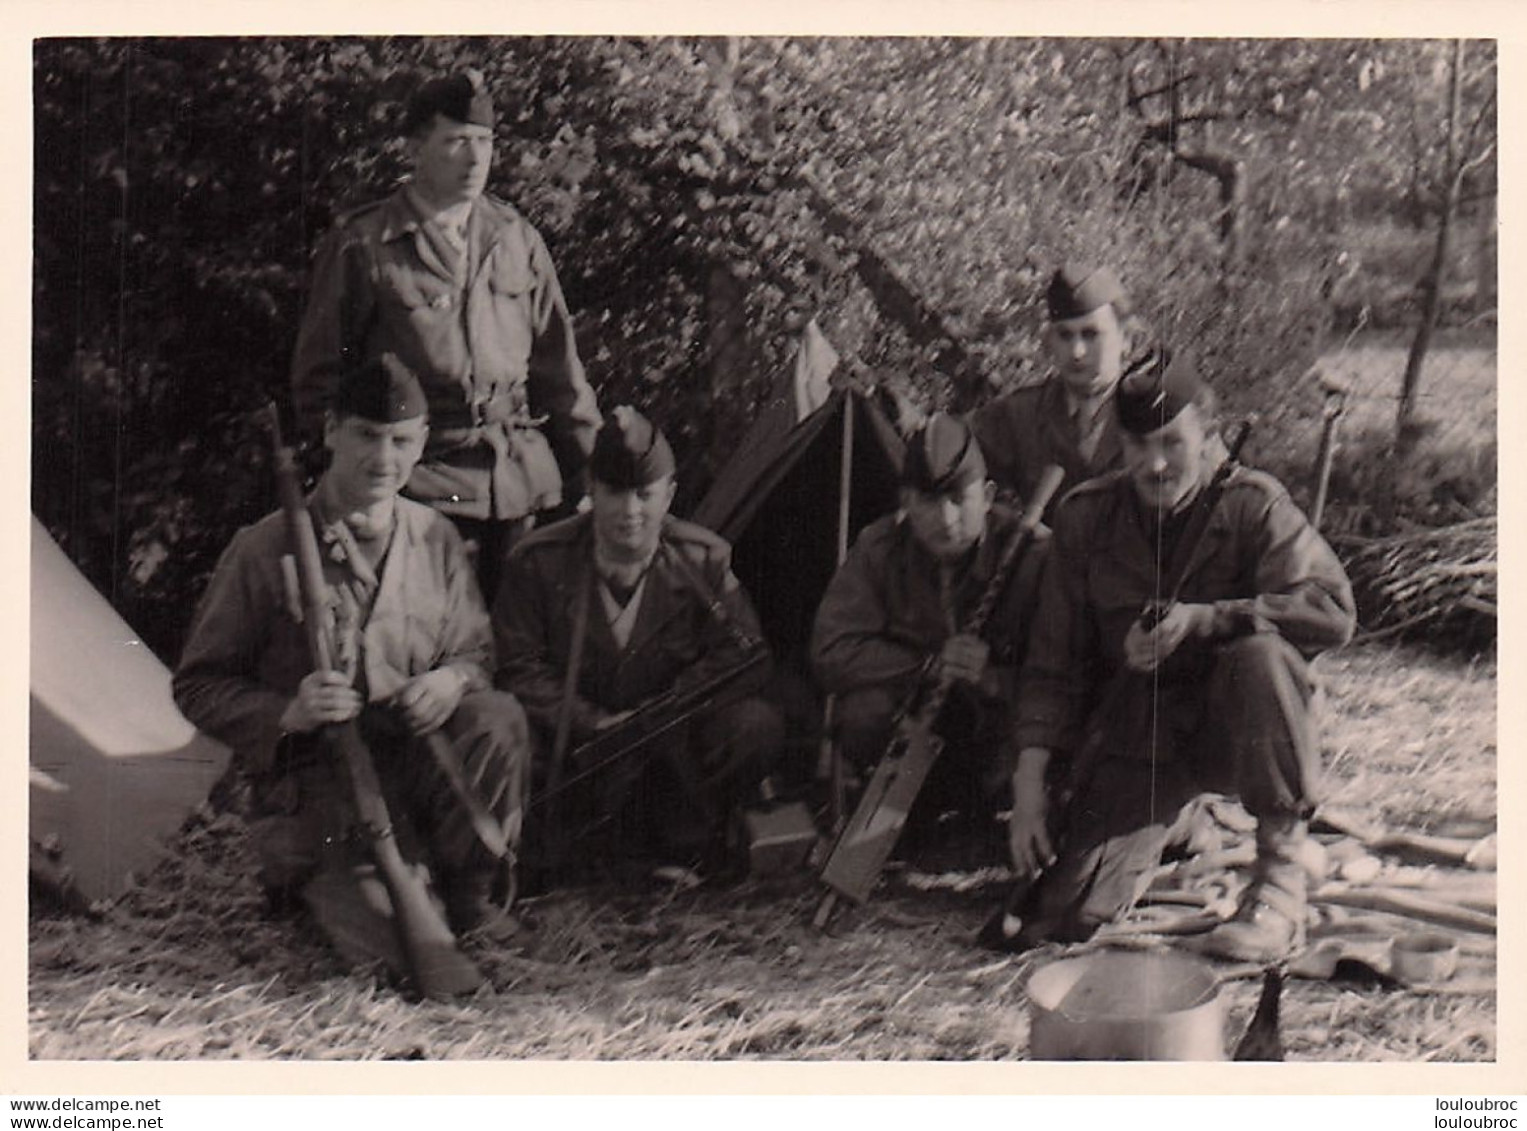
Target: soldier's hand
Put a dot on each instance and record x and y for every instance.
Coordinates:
(322, 698)
(1146, 649)
(1028, 829)
(964, 658)
(1028, 833)
(428, 700)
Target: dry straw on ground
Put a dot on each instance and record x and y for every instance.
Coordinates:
(186, 966)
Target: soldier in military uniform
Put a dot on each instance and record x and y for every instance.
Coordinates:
(900, 602)
(461, 288)
(1216, 696)
(1066, 419)
(606, 612)
(413, 649)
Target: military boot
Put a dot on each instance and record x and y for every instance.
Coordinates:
(1269, 925)
(476, 904)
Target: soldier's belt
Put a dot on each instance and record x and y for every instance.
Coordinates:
(504, 407)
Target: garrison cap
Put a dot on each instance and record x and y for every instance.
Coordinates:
(461, 97)
(382, 389)
(1077, 289)
(1154, 389)
(630, 451)
(944, 456)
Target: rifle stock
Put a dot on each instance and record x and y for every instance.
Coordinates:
(436, 966)
(861, 850)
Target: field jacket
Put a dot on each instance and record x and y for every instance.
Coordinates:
(1261, 565)
(695, 621)
(884, 613)
(1023, 431)
(492, 348)
(247, 651)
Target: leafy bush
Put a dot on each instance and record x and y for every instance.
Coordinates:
(701, 197)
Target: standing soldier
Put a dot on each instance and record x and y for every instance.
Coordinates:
(461, 288)
(605, 612)
(1216, 695)
(412, 639)
(1064, 420)
(900, 602)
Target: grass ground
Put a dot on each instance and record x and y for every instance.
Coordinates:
(1456, 392)
(186, 967)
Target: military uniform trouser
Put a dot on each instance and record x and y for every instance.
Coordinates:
(672, 797)
(303, 821)
(972, 774)
(1247, 730)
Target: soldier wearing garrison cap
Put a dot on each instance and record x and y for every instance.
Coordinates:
(462, 289)
(1065, 419)
(641, 604)
(412, 648)
(1216, 696)
(909, 583)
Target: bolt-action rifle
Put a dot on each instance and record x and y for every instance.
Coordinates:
(436, 966)
(861, 850)
(1001, 931)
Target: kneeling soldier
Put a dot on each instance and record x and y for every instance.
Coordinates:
(601, 616)
(413, 655)
(1216, 696)
(900, 602)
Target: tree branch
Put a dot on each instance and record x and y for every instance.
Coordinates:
(1471, 164)
(1474, 126)
(1139, 96)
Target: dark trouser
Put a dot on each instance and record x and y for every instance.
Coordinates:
(303, 823)
(1246, 730)
(973, 773)
(673, 797)
(489, 541)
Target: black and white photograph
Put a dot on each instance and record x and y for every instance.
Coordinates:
(962, 548)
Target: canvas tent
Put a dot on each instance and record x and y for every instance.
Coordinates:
(115, 766)
(777, 501)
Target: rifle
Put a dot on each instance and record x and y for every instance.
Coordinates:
(866, 841)
(655, 718)
(435, 966)
(1003, 927)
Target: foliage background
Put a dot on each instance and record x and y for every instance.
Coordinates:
(704, 197)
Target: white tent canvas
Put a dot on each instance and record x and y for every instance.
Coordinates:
(116, 767)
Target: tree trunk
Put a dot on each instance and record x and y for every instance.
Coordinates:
(1405, 429)
(1485, 257)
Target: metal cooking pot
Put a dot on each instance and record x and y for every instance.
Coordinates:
(1126, 1005)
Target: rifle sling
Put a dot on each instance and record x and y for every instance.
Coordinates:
(1203, 512)
(570, 678)
(711, 600)
(1191, 538)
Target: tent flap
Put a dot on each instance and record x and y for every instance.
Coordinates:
(777, 502)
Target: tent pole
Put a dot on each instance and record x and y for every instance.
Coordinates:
(830, 750)
(845, 475)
